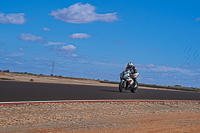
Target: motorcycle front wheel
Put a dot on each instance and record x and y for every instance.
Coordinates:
(134, 88)
(121, 86)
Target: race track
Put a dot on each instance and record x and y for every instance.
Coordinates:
(11, 91)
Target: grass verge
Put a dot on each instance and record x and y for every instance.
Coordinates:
(6, 79)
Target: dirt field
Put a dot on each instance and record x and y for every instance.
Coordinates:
(49, 79)
(100, 117)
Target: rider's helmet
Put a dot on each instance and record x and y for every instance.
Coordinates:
(129, 65)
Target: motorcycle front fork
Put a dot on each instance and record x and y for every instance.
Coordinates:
(128, 85)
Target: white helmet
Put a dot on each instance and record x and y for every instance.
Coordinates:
(129, 65)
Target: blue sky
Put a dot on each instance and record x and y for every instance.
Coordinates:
(96, 39)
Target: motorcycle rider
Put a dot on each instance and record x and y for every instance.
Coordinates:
(132, 69)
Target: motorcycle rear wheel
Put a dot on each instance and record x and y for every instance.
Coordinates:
(134, 88)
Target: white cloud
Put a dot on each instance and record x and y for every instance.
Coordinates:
(151, 79)
(2, 51)
(36, 59)
(30, 38)
(67, 48)
(198, 19)
(1, 44)
(115, 64)
(46, 29)
(18, 63)
(21, 49)
(82, 13)
(54, 43)
(79, 36)
(120, 42)
(154, 68)
(15, 54)
(12, 18)
(71, 55)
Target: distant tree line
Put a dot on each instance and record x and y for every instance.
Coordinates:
(5, 70)
(8, 71)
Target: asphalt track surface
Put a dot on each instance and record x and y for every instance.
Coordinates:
(12, 91)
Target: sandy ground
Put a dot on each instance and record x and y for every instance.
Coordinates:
(106, 117)
(89, 117)
(48, 79)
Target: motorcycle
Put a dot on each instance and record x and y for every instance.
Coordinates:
(127, 83)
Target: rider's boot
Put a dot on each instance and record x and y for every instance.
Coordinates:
(134, 84)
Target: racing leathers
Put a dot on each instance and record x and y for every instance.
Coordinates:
(132, 70)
